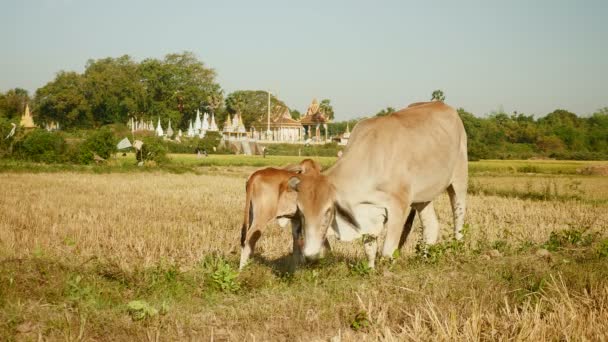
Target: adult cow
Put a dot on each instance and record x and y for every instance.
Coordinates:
(390, 163)
(268, 197)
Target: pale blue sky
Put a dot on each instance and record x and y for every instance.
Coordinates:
(529, 56)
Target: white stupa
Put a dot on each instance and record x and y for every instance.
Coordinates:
(213, 126)
(197, 123)
(170, 130)
(179, 133)
(235, 123)
(241, 127)
(205, 126)
(159, 129)
(151, 125)
(190, 130)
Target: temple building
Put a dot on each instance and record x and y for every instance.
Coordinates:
(234, 128)
(313, 121)
(282, 127)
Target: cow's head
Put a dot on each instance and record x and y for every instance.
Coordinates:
(317, 209)
(305, 166)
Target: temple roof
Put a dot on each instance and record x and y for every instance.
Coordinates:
(317, 118)
(314, 114)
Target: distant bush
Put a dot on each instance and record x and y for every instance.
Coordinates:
(190, 145)
(101, 142)
(41, 146)
(153, 149)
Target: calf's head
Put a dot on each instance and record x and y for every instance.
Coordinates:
(317, 207)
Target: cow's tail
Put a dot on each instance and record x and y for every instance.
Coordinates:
(248, 212)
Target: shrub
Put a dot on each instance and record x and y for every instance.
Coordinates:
(568, 238)
(189, 145)
(153, 149)
(101, 143)
(41, 146)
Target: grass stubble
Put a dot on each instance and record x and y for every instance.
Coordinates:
(148, 256)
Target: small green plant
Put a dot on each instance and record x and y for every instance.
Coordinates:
(224, 277)
(435, 253)
(501, 246)
(78, 291)
(140, 309)
(602, 248)
(361, 268)
(360, 321)
(568, 238)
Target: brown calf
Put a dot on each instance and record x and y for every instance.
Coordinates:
(268, 196)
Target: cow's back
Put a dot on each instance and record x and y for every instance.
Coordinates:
(416, 149)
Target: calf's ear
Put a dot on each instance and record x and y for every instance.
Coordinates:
(293, 183)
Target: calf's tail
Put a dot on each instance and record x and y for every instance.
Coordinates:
(248, 213)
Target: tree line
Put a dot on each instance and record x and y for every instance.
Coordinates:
(112, 90)
(560, 134)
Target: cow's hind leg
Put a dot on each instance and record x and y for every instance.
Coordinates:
(458, 195)
(249, 237)
(248, 245)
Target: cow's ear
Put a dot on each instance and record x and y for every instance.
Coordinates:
(293, 183)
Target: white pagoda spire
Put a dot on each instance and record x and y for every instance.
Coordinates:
(241, 126)
(197, 123)
(213, 126)
(159, 129)
(169, 130)
(205, 126)
(190, 130)
(235, 123)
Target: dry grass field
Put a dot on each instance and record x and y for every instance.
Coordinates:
(152, 256)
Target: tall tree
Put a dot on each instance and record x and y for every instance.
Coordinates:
(437, 95)
(13, 103)
(63, 100)
(178, 85)
(113, 89)
(252, 105)
(327, 109)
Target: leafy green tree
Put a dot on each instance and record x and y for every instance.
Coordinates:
(437, 95)
(295, 114)
(252, 105)
(113, 89)
(177, 86)
(63, 100)
(327, 109)
(12, 104)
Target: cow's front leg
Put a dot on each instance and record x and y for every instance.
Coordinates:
(370, 243)
(394, 227)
